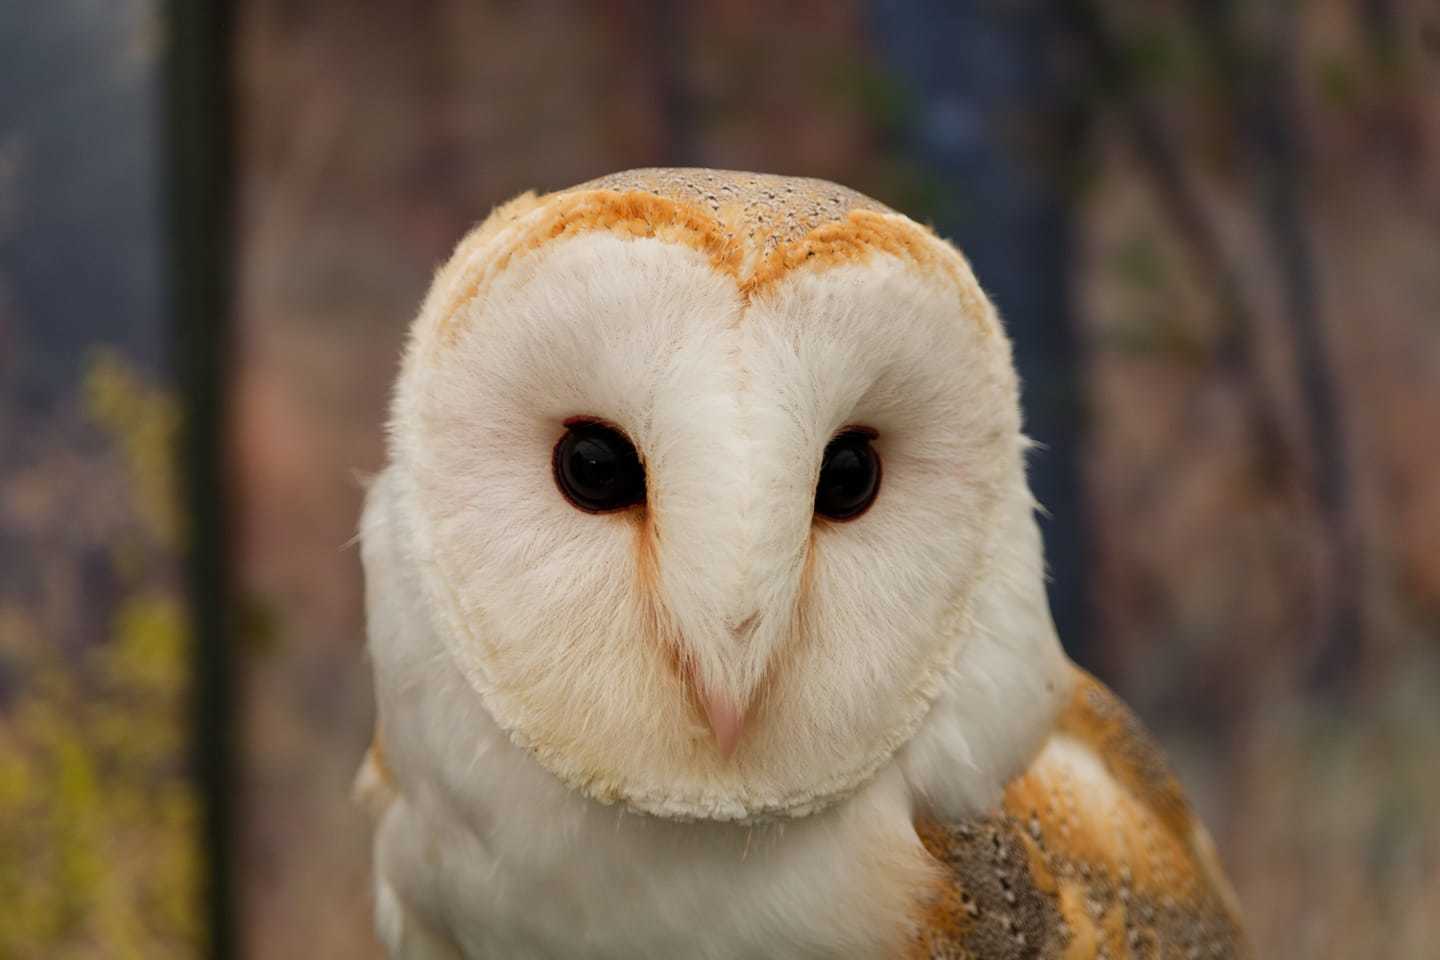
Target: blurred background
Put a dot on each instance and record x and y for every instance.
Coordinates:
(1213, 229)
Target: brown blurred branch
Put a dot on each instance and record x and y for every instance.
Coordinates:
(1182, 205)
(1276, 142)
(1262, 88)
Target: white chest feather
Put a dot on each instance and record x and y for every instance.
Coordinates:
(565, 877)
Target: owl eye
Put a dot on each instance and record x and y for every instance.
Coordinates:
(597, 468)
(849, 476)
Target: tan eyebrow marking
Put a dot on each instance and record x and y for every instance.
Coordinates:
(754, 228)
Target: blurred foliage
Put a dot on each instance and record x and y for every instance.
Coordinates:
(98, 819)
(142, 421)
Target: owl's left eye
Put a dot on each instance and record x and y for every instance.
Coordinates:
(849, 475)
(597, 469)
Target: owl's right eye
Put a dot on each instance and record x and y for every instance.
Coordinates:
(597, 468)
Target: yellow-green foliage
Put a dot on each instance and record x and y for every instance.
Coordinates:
(143, 422)
(98, 819)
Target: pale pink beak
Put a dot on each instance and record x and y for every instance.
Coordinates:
(726, 720)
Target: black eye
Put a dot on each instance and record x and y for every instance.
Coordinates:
(597, 469)
(849, 476)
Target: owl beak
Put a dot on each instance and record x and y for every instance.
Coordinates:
(727, 721)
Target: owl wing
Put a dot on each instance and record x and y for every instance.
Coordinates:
(1094, 852)
(403, 932)
(374, 788)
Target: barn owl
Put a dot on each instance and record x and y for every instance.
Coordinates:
(707, 615)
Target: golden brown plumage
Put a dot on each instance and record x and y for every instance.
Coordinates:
(1093, 853)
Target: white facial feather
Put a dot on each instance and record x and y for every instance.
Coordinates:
(532, 659)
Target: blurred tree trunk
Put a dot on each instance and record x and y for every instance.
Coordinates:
(996, 136)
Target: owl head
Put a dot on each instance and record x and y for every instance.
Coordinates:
(713, 486)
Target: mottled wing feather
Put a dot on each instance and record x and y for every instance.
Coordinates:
(1094, 853)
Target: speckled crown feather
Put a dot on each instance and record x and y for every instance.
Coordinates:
(760, 211)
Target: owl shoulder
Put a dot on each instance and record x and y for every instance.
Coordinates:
(1094, 851)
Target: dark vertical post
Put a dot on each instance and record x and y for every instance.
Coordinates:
(199, 207)
(996, 138)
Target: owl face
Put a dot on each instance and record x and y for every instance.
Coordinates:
(703, 479)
